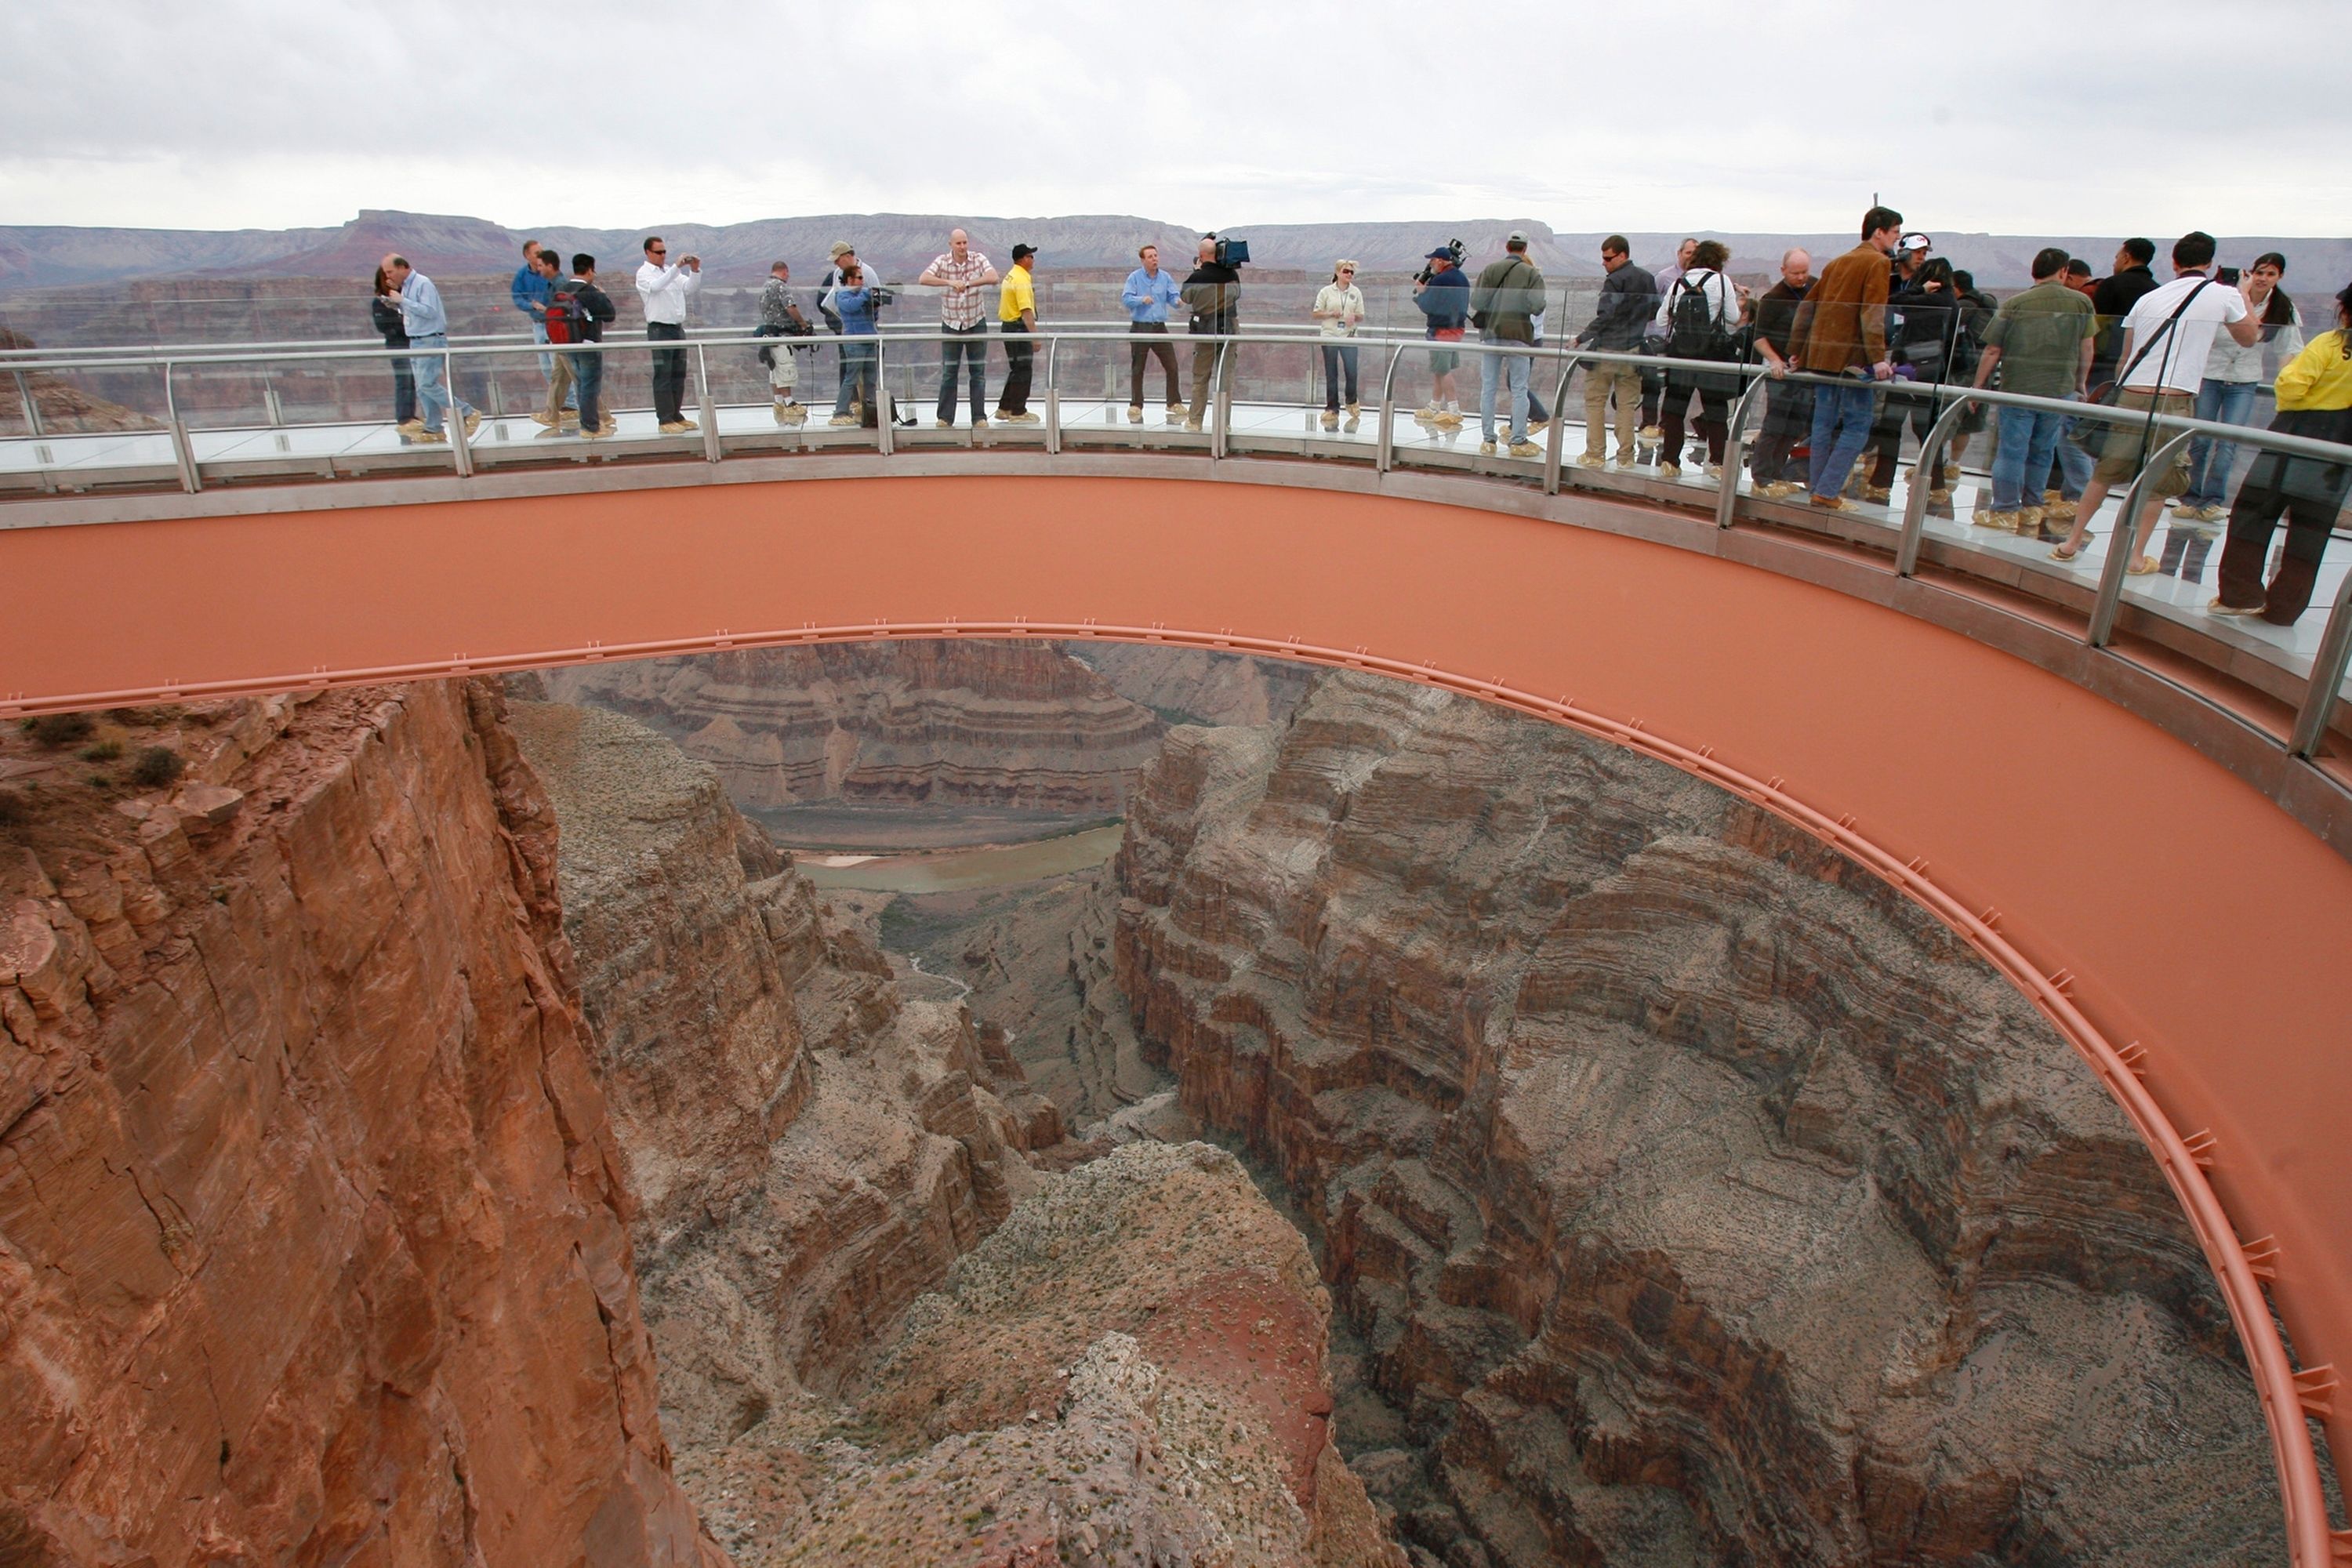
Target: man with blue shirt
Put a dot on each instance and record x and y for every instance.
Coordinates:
(532, 286)
(1443, 296)
(1149, 294)
(428, 332)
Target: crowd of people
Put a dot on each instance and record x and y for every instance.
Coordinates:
(1882, 340)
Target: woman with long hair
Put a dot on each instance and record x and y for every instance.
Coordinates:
(2233, 376)
(1339, 309)
(383, 308)
(2315, 399)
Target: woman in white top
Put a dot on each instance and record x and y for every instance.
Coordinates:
(1339, 307)
(2234, 377)
(1704, 281)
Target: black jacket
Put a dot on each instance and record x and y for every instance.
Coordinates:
(594, 303)
(1776, 314)
(1214, 293)
(2114, 298)
(1930, 322)
(1628, 302)
(385, 309)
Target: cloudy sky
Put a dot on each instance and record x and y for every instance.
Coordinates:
(2097, 116)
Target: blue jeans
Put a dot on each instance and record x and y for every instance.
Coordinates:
(2075, 462)
(969, 346)
(547, 361)
(1841, 425)
(2210, 461)
(587, 382)
(2028, 438)
(1502, 368)
(1339, 358)
(432, 398)
(857, 357)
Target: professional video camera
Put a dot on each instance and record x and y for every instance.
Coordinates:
(878, 295)
(1232, 253)
(1452, 248)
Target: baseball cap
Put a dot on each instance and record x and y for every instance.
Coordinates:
(1917, 242)
(842, 247)
(1021, 250)
(1515, 237)
(1439, 255)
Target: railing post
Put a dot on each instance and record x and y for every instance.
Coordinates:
(32, 409)
(2105, 608)
(453, 421)
(1735, 450)
(884, 420)
(2328, 671)
(184, 450)
(1053, 397)
(1556, 438)
(708, 405)
(1385, 459)
(1929, 467)
(1219, 411)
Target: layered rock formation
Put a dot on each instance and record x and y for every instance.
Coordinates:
(1198, 685)
(946, 721)
(313, 1230)
(1698, 1198)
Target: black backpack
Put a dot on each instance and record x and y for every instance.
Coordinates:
(1691, 329)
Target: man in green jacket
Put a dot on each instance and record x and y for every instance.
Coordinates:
(1505, 303)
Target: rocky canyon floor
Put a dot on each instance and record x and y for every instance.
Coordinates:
(446, 1125)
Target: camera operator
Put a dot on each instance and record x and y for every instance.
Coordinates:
(780, 317)
(1213, 293)
(1443, 294)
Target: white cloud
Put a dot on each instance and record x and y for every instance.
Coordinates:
(2006, 115)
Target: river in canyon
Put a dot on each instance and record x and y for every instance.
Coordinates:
(963, 870)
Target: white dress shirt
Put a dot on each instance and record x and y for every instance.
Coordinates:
(664, 291)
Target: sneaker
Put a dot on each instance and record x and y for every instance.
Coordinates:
(1448, 420)
(1624, 461)
(2028, 519)
(1939, 496)
(473, 422)
(2216, 608)
(2212, 514)
(1880, 494)
(1135, 413)
(942, 424)
(1025, 418)
(1193, 425)
(410, 426)
(2184, 508)
(1331, 419)
(596, 432)
(1714, 470)
(1525, 449)
(1670, 471)
(1178, 410)
(790, 414)
(980, 421)
(1999, 522)
(431, 437)
(1485, 449)
(1538, 427)
(1651, 433)
(2057, 511)
(838, 421)
(1779, 490)
(1353, 413)
(539, 418)
(1592, 460)
(679, 427)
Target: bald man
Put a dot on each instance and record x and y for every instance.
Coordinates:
(1787, 405)
(964, 273)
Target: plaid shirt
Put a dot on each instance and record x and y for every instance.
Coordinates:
(967, 310)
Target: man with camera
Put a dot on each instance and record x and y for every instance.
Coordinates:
(1504, 304)
(665, 287)
(1016, 313)
(1443, 296)
(963, 272)
(1213, 293)
(780, 317)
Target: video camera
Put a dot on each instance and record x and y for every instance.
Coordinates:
(1452, 248)
(878, 295)
(1232, 253)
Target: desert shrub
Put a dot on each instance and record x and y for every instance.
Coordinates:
(104, 752)
(61, 728)
(156, 767)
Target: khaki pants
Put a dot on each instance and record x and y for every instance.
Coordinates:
(1599, 381)
(559, 386)
(1204, 367)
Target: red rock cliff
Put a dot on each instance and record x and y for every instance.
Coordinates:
(1699, 1200)
(313, 1241)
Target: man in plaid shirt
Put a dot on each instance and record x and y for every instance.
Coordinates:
(963, 272)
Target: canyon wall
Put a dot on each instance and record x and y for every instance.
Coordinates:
(1698, 1199)
(313, 1228)
(946, 721)
(1198, 685)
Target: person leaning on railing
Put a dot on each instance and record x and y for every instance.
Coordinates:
(1787, 405)
(383, 310)
(2040, 341)
(1148, 294)
(1840, 332)
(1629, 299)
(1339, 313)
(2315, 399)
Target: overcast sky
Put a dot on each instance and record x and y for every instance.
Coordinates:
(2011, 116)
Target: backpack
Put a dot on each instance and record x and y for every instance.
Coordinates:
(567, 322)
(1691, 329)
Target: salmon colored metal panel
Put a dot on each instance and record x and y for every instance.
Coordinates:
(2146, 897)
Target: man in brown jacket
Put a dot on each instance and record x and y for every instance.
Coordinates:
(1840, 332)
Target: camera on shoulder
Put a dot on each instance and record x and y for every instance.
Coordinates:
(1232, 253)
(1455, 249)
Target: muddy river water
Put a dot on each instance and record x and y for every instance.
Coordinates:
(962, 871)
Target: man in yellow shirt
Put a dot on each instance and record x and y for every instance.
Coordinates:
(1016, 311)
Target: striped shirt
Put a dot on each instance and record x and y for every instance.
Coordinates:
(961, 306)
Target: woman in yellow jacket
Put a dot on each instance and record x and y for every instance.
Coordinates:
(2315, 399)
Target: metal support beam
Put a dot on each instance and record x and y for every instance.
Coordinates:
(1924, 474)
(2103, 608)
